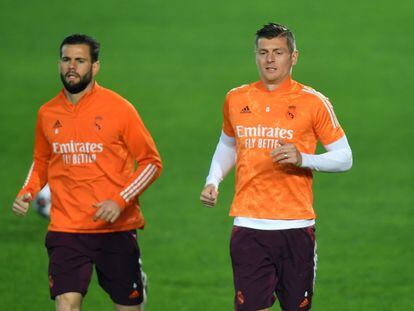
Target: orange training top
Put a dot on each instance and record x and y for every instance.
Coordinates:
(88, 153)
(258, 119)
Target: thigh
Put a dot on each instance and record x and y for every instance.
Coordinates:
(70, 265)
(254, 272)
(297, 270)
(118, 268)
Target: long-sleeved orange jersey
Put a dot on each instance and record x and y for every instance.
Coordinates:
(88, 153)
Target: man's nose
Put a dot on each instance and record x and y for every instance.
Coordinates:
(270, 58)
(72, 64)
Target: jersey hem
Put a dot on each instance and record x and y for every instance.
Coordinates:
(272, 216)
(136, 225)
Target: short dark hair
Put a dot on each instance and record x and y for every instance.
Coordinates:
(77, 38)
(273, 30)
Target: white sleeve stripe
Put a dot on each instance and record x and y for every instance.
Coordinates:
(141, 179)
(136, 180)
(315, 263)
(29, 175)
(327, 105)
(143, 184)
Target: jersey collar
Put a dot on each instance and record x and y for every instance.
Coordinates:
(285, 86)
(85, 97)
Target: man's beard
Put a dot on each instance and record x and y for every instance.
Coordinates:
(75, 88)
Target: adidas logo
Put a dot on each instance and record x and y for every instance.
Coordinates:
(57, 124)
(245, 110)
(134, 294)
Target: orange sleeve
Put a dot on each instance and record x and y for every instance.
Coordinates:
(37, 176)
(326, 124)
(227, 127)
(141, 145)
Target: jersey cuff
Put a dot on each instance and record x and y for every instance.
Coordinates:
(212, 181)
(23, 192)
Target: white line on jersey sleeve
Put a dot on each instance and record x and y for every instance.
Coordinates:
(140, 182)
(326, 103)
(144, 182)
(127, 189)
(29, 175)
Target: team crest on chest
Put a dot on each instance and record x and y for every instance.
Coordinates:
(291, 112)
(98, 123)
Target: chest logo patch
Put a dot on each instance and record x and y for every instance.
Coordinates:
(291, 112)
(98, 123)
(57, 126)
(245, 110)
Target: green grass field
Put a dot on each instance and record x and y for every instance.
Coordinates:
(175, 61)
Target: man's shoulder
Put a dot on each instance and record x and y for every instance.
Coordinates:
(51, 104)
(111, 95)
(311, 94)
(242, 89)
(114, 100)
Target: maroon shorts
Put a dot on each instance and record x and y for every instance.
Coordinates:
(116, 257)
(273, 264)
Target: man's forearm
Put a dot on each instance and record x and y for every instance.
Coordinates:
(223, 161)
(338, 158)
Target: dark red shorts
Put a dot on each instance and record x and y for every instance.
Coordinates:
(273, 264)
(116, 257)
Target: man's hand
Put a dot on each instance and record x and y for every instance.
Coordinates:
(108, 210)
(286, 154)
(21, 204)
(209, 196)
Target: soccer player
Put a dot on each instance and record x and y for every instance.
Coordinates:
(270, 132)
(88, 142)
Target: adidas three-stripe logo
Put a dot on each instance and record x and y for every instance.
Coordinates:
(245, 110)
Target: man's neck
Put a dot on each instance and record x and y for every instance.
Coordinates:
(74, 98)
(273, 85)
